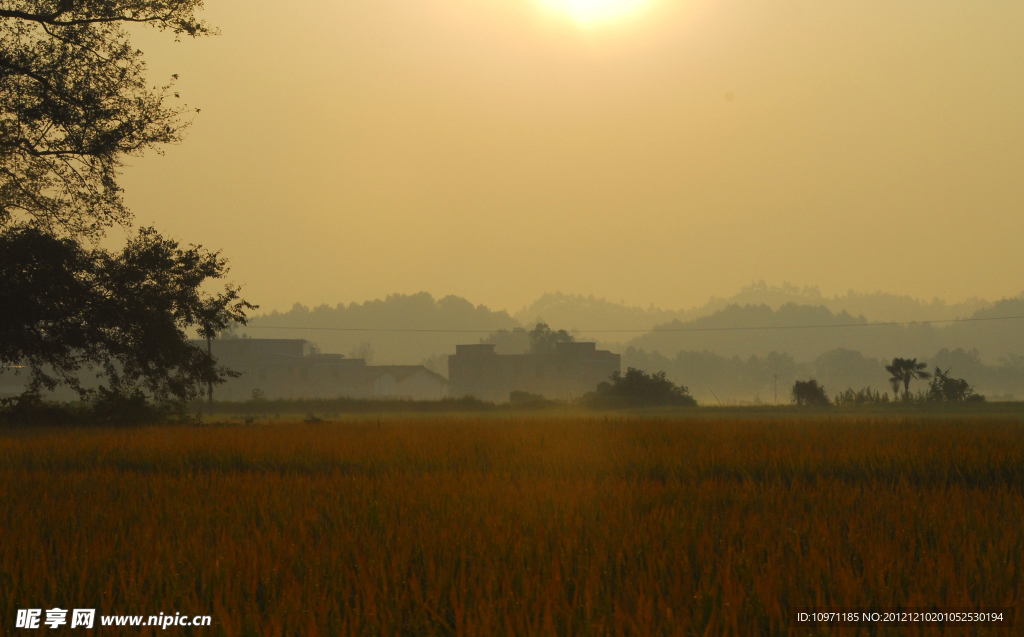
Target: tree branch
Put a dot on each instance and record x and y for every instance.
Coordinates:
(54, 19)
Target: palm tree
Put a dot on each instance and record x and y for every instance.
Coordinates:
(903, 371)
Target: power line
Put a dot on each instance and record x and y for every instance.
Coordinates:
(636, 331)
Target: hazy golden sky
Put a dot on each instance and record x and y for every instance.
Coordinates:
(498, 149)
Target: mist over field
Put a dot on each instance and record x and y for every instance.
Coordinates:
(512, 317)
(740, 347)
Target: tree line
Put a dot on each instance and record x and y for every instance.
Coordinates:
(942, 388)
(769, 378)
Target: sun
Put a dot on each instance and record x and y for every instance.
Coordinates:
(589, 13)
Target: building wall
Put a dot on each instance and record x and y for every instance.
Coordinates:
(421, 385)
(289, 368)
(571, 371)
(283, 369)
(385, 386)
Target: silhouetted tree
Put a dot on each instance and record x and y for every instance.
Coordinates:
(65, 310)
(74, 102)
(903, 371)
(544, 341)
(636, 388)
(809, 392)
(946, 389)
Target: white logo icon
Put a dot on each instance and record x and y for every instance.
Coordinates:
(28, 618)
(56, 617)
(83, 617)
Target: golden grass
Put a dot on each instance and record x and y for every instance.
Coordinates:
(517, 525)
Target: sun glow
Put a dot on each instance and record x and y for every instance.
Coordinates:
(596, 12)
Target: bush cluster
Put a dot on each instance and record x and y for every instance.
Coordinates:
(637, 388)
(104, 407)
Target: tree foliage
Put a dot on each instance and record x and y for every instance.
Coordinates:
(903, 371)
(943, 388)
(864, 396)
(65, 308)
(540, 340)
(545, 341)
(637, 388)
(74, 102)
(809, 392)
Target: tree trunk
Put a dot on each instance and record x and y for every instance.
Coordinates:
(209, 384)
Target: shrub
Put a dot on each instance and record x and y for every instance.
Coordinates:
(866, 396)
(526, 400)
(943, 388)
(637, 388)
(809, 392)
(104, 407)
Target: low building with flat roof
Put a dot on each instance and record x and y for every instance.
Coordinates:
(570, 371)
(292, 368)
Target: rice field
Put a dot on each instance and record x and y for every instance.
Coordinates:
(519, 524)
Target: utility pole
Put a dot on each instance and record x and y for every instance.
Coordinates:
(776, 389)
(716, 396)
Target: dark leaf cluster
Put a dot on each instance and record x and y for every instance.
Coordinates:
(104, 407)
(809, 392)
(903, 371)
(74, 101)
(543, 340)
(637, 388)
(66, 310)
(943, 388)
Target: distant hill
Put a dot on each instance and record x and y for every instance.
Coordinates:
(574, 311)
(589, 313)
(875, 306)
(720, 362)
(736, 331)
(993, 339)
(755, 305)
(398, 311)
